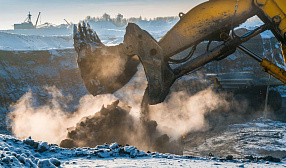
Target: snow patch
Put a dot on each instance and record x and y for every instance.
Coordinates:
(20, 154)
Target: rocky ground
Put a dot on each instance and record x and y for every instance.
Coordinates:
(29, 153)
(254, 134)
(249, 142)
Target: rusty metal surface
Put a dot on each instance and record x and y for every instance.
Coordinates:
(158, 73)
(274, 12)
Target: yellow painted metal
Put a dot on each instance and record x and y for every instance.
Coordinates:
(271, 10)
(215, 83)
(281, 4)
(274, 8)
(204, 22)
(274, 70)
(283, 48)
(261, 2)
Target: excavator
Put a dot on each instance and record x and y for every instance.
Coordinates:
(105, 69)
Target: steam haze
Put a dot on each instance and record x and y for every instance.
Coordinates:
(183, 113)
(179, 115)
(50, 122)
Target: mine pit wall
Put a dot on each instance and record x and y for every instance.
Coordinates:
(24, 70)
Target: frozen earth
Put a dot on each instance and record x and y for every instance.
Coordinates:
(61, 38)
(242, 140)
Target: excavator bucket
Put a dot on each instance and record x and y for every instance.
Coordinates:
(104, 69)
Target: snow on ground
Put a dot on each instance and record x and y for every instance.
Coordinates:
(259, 134)
(33, 42)
(61, 38)
(260, 137)
(28, 153)
(157, 28)
(112, 35)
(41, 32)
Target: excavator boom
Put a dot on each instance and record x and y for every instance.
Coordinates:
(205, 22)
(106, 69)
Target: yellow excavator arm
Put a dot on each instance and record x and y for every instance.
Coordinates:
(105, 69)
(207, 20)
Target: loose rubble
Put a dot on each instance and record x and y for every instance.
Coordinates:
(28, 153)
(114, 124)
(24, 153)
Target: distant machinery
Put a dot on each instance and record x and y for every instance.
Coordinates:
(37, 19)
(27, 24)
(67, 22)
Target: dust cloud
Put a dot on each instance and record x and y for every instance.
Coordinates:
(112, 64)
(49, 122)
(183, 113)
(103, 119)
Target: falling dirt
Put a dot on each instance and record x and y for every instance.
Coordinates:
(114, 124)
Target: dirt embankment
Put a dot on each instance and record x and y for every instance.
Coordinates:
(34, 70)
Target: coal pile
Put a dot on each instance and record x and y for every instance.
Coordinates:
(115, 124)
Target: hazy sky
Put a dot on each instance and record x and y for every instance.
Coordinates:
(54, 11)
